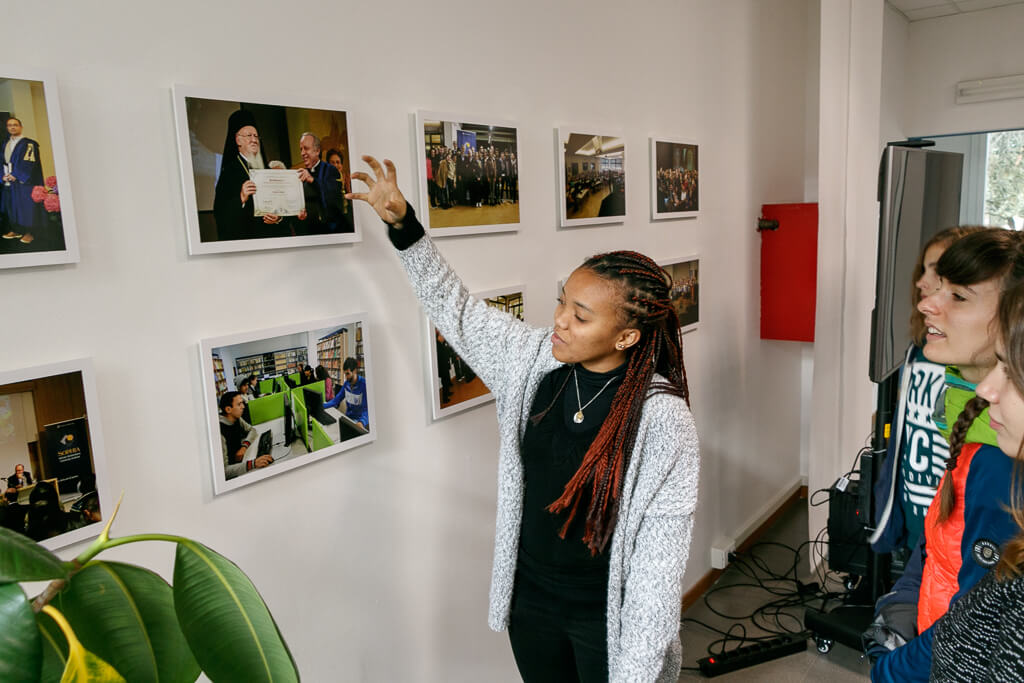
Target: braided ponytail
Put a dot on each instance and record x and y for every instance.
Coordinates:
(646, 304)
(957, 438)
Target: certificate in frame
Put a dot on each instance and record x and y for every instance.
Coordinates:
(37, 222)
(51, 414)
(591, 176)
(481, 190)
(222, 135)
(288, 406)
(675, 187)
(454, 387)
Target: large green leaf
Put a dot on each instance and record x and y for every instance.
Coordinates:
(82, 665)
(55, 649)
(21, 649)
(225, 620)
(21, 559)
(125, 614)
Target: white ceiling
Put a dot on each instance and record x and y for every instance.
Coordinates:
(916, 10)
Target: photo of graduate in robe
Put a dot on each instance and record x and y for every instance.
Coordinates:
(36, 224)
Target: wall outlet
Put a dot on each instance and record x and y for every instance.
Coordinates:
(720, 550)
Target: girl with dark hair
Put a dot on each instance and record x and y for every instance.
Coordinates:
(322, 376)
(917, 450)
(980, 638)
(598, 461)
(967, 521)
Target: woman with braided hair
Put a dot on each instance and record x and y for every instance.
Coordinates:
(967, 521)
(979, 638)
(598, 457)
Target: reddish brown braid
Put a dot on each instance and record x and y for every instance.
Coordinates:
(646, 305)
(957, 438)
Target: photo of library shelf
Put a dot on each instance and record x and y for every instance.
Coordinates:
(285, 400)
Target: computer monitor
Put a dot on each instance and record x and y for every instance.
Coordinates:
(315, 406)
(289, 428)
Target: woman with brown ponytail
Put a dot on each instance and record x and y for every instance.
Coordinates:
(598, 457)
(967, 522)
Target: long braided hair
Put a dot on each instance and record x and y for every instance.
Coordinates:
(979, 256)
(646, 305)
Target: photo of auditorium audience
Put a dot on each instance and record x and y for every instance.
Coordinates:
(51, 454)
(227, 145)
(469, 175)
(685, 292)
(593, 177)
(455, 386)
(674, 176)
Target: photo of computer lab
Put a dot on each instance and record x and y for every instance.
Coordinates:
(47, 473)
(286, 400)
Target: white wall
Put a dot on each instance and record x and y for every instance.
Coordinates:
(376, 562)
(942, 52)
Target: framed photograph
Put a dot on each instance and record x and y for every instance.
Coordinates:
(592, 177)
(454, 385)
(685, 273)
(675, 191)
(282, 398)
(52, 465)
(469, 174)
(37, 225)
(261, 174)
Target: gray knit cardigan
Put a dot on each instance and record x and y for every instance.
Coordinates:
(651, 541)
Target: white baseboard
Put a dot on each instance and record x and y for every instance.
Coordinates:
(767, 510)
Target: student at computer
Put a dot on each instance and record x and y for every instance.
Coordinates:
(353, 393)
(236, 435)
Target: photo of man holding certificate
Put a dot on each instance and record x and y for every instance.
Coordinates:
(258, 176)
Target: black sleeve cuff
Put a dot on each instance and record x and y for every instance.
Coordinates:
(409, 234)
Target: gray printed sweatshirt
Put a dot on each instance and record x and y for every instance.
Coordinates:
(651, 541)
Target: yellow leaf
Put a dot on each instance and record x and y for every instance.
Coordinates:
(82, 665)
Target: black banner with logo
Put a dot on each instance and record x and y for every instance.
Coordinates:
(67, 452)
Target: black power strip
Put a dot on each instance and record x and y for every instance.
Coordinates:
(749, 655)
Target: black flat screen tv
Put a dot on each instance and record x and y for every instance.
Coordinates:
(919, 192)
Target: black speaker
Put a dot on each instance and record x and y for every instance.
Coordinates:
(848, 549)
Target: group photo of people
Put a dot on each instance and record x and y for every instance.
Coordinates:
(684, 291)
(279, 399)
(675, 177)
(30, 217)
(47, 472)
(470, 173)
(268, 171)
(595, 178)
(456, 385)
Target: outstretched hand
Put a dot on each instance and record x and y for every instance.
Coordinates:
(384, 196)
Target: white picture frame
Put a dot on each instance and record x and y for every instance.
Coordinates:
(42, 124)
(21, 381)
(686, 267)
(293, 445)
(200, 153)
(464, 217)
(681, 197)
(474, 391)
(593, 165)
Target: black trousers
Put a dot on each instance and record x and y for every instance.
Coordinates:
(557, 641)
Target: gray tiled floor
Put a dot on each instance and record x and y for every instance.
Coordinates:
(841, 665)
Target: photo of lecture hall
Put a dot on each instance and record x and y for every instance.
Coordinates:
(457, 384)
(281, 398)
(231, 141)
(30, 218)
(471, 172)
(595, 179)
(685, 291)
(47, 472)
(676, 177)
